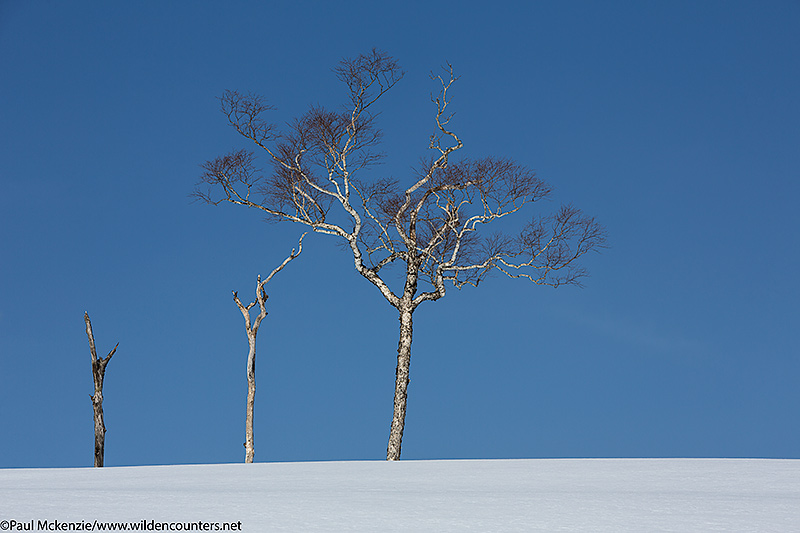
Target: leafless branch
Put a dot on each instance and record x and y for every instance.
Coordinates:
(251, 327)
(435, 222)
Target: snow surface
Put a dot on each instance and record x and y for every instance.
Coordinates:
(642, 495)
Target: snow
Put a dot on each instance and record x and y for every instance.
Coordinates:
(597, 495)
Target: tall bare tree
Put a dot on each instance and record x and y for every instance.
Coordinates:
(251, 326)
(98, 374)
(434, 223)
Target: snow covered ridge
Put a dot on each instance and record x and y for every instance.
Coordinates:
(597, 495)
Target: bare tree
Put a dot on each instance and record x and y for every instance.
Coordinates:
(251, 326)
(98, 373)
(434, 224)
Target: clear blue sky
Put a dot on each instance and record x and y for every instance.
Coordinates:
(676, 124)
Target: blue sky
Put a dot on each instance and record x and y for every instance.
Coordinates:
(677, 125)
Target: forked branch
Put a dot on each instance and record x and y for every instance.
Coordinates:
(98, 375)
(251, 327)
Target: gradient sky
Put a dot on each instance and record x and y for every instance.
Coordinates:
(676, 124)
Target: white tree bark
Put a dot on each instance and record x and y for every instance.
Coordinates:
(401, 385)
(98, 374)
(432, 223)
(252, 330)
(251, 327)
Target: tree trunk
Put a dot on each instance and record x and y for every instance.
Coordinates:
(251, 399)
(401, 385)
(98, 374)
(99, 427)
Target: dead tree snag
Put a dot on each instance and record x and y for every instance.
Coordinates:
(98, 374)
